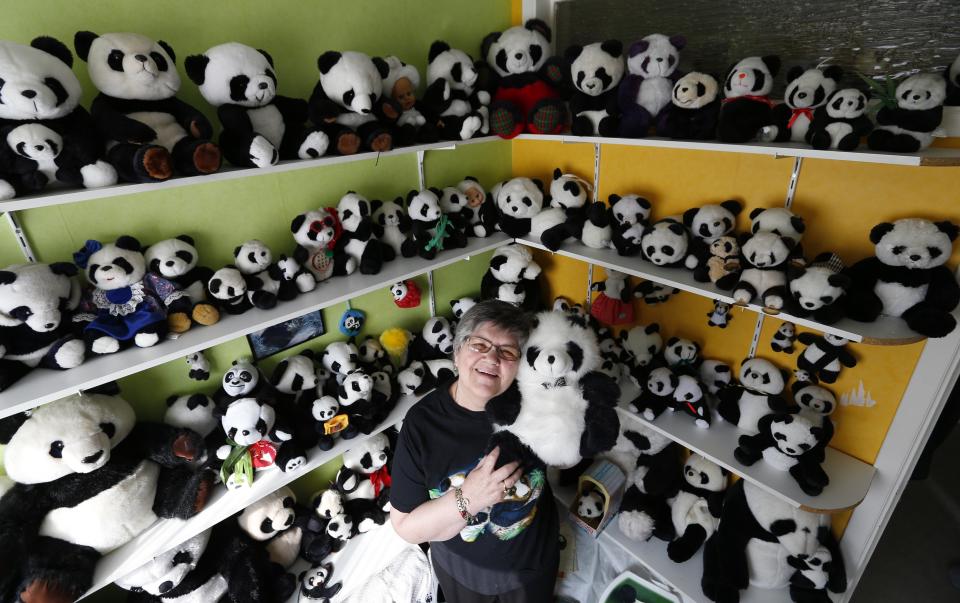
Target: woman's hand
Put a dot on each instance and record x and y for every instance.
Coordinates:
(485, 486)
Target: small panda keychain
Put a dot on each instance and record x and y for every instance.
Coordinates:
(352, 321)
(406, 294)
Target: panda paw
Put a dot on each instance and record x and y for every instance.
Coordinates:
(146, 340)
(295, 463)
(71, 354)
(471, 125)
(648, 415)
(98, 174)
(702, 423)
(306, 283)
(262, 152)
(479, 230)
(774, 302)
(742, 296)
(6, 191)
(314, 145)
(350, 266)
(105, 345)
(768, 134)
(484, 97)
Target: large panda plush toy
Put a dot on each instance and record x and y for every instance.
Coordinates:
(912, 124)
(807, 90)
(151, 134)
(696, 507)
(89, 479)
(455, 104)
(595, 72)
(560, 408)
(746, 104)
(47, 136)
(646, 89)
(260, 127)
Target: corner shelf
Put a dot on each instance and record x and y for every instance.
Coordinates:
(168, 533)
(43, 385)
(885, 331)
(61, 195)
(931, 157)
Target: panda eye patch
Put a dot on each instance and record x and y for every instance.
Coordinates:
(898, 249)
(348, 97)
(273, 76)
(109, 429)
(779, 436)
(115, 60)
(21, 313)
(159, 60)
(934, 252)
(56, 449)
(535, 52)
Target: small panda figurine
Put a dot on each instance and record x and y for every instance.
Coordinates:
(315, 583)
(818, 290)
(824, 356)
(746, 105)
(694, 109)
(764, 258)
(707, 224)
(724, 259)
(512, 277)
(243, 380)
(348, 103)
(520, 211)
(391, 224)
(481, 206)
(47, 136)
(595, 71)
(265, 284)
(807, 90)
(657, 393)
(316, 233)
(614, 304)
(696, 507)
(177, 260)
(568, 193)
(430, 228)
(260, 127)
(199, 366)
(590, 506)
(912, 125)
(788, 441)
(646, 89)
(720, 316)
(151, 133)
(456, 106)
(841, 122)
(406, 294)
(358, 240)
(227, 291)
(784, 338)
(453, 204)
(666, 243)
(757, 395)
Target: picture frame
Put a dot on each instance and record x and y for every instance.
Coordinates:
(279, 337)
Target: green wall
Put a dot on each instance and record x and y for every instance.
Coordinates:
(220, 215)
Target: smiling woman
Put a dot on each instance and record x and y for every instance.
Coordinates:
(493, 532)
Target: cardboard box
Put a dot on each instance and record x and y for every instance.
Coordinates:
(607, 479)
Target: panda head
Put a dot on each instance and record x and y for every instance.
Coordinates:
(37, 294)
(695, 90)
(725, 247)
(835, 340)
(761, 375)
(438, 334)
(383, 383)
(711, 222)
(241, 378)
(246, 421)
(704, 474)
(921, 92)
(561, 304)
(766, 249)
(112, 265)
(368, 456)
(590, 505)
(234, 74)
(473, 191)
(814, 287)
(314, 580)
(129, 65)
(519, 198)
(166, 571)
(227, 284)
(253, 256)
(513, 263)
(688, 390)
(655, 55)
(194, 411)
(328, 503)
(642, 343)
(665, 242)
(370, 351)
(787, 329)
(317, 228)
(520, 49)
(390, 213)
(340, 357)
(38, 82)
(357, 385)
(795, 434)
(352, 79)
(809, 89)
(353, 210)
(424, 206)
(846, 103)
(452, 200)
(914, 243)
(559, 351)
(814, 398)
(662, 382)
(778, 220)
(271, 514)
(630, 209)
(753, 76)
(451, 64)
(410, 379)
(715, 375)
(596, 68)
(324, 408)
(460, 306)
(568, 191)
(681, 352)
(340, 527)
(295, 373)
(171, 258)
(72, 435)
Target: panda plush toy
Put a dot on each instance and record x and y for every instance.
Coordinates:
(265, 283)
(764, 259)
(37, 302)
(316, 233)
(760, 542)
(689, 399)
(696, 507)
(747, 107)
(227, 291)
(646, 89)
(907, 277)
(391, 224)
(784, 338)
(652, 480)
(707, 224)
(431, 228)
(276, 522)
(614, 304)
(453, 204)
(512, 277)
(568, 193)
(595, 71)
(520, 211)
(177, 261)
(807, 90)
(358, 240)
(720, 315)
(340, 357)
(913, 123)
(356, 397)
(642, 344)
(365, 474)
(590, 506)
(790, 442)
(315, 583)
(523, 81)
(666, 243)
(694, 109)
(422, 376)
(456, 106)
(199, 366)
(841, 122)
(630, 215)
(715, 376)
(817, 290)
(824, 356)
(88, 479)
(151, 134)
(434, 342)
(47, 135)
(126, 304)
(260, 127)
(559, 409)
(657, 394)
(757, 395)
(348, 103)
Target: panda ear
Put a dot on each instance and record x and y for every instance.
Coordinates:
(796, 272)
(653, 327)
(171, 400)
(278, 371)
(82, 41)
(540, 27)
(797, 223)
(794, 72)
(297, 223)
(381, 66)
(689, 215)
(612, 47)
(168, 49)
(436, 191)
(129, 243)
(489, 40)
(790, 243)
(841, 281)
(557, 173)
(7, 277)
(538, 183)
(613, 198)
(679, 42)
(411, 195)
(878, 231)
(266, 55)
(733, 206)
(55, 47)
(638, 47)
(742, 239)
(772, 62)
(755, 212)
(436, 49)
(948, 228)
(63, 268)
(327, 60)
(196, 66)
(676, 228)
(572, 52)
(10, 425)
(375, 204)
(186, 239)
(834, 72)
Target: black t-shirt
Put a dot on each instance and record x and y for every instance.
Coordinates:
(514, 541)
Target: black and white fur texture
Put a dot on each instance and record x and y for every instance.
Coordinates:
(454, 101)
(764, 258)
(666, 243)
(520, 210)
(653, 479)
(707, 224)
(784, 338)
(645, 90)
(757, 394)
(695, 508)
(265, 284)
(746, 107)
(912, 125)
(790, 442)
(595, 71)
(358, 240)
(818, 290)
(841, 122)
(177, 260)
(391, 225)
(807, 90)
(694, 108)
(824, 356)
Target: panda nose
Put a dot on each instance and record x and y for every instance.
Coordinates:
(245, 432)
(49, 325)
(263, 85)
(915, 257)
(659, 59)
(169, 262)
(141, 57)
(551, 359)
(808, 304)
(519, 55)
(29, 93)
(802, 95)
(165, 586)
(916, 97)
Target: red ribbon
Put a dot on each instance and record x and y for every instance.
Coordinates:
(760, 99)
(262, 454)
(380, 480)
(797, 113)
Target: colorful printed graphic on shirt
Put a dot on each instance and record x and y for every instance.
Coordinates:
(506, 519)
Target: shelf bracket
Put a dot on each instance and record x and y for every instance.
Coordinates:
(20, 236)
(586, 305)
(432, 299)
(755, 342)
(596, 171)
(420, 175)
(794, 178)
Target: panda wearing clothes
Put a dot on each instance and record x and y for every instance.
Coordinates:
(746, 104)
(260, 127)
(151, 133)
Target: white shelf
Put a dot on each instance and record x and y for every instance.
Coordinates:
(223, 503)
(934, 157)
(59, 195)
(44, 385)
(885, 331)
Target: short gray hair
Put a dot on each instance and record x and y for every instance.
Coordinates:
(500, 314)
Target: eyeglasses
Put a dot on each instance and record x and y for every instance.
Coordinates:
(482, 345)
